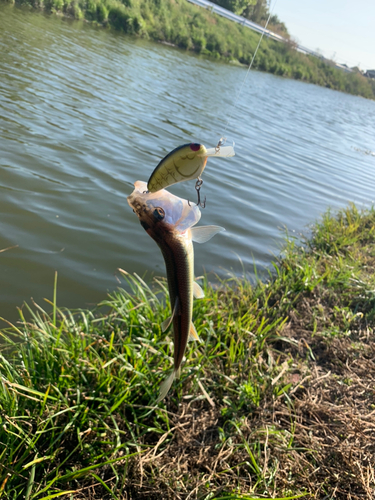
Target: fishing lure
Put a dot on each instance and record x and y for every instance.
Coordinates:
(185, 163)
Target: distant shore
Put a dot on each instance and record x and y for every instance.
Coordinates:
(179, 23)
(277, 401)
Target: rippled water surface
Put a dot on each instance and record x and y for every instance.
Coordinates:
(85, 112)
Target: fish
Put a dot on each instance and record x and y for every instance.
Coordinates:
(169, 220)
(184, 163)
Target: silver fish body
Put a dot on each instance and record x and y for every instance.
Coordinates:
(169, 220)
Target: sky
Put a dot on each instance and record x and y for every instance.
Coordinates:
(343, 30)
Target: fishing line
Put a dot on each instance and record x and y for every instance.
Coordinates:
(223, 138)
(188, 161)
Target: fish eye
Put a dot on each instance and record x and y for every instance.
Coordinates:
(159, 213)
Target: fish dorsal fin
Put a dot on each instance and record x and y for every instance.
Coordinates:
(193, 335)
(197, 291)
(166, 323)
(201, 234)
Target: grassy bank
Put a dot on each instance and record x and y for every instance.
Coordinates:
(196, 29)
(278, 400)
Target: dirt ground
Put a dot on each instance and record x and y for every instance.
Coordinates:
(318, 439)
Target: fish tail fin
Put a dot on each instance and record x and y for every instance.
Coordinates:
(165, 386)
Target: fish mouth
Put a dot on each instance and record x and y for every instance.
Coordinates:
(139, 202)
(136, 205)
(142, 211)
(162, 209)
(143, 202)
(136, 199)
(143, 208)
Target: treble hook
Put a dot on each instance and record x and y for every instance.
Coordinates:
(198, 186)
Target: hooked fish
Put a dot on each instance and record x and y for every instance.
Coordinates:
(184, 163)
(169, 220)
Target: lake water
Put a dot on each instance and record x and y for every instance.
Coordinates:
(85, 112)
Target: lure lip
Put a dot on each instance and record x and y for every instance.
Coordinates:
(221, 152)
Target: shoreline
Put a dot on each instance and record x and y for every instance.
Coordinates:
(178, 23)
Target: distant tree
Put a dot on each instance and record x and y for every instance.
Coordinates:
(254, 10)
(259, 12)
(239, 7)
(278, 26)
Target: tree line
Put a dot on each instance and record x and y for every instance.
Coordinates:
(256, 11)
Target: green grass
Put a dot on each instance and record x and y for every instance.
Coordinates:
(77, 387)
(196, 29)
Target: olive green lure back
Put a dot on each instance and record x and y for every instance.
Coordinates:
(184, 163)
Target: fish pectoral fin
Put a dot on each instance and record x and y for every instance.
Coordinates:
(201, 234)
(165, 386)
(193, 335)
(197, 291)
(166, 323)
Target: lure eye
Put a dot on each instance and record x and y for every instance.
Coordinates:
(159, 213)
(195, 147)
